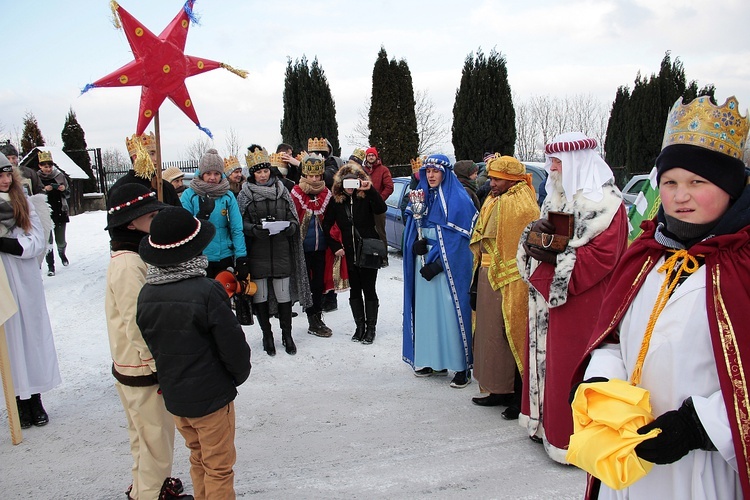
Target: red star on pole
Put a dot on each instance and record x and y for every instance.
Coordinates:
(160, 65)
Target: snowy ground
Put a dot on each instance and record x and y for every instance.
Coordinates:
(338, 420)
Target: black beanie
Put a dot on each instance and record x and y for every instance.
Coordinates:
(726, 172)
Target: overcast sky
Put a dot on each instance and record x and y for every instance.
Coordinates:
(52, 49)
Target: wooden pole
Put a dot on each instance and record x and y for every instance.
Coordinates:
(8, 391)
(157, 134)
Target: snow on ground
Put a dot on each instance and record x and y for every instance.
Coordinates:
(338, 420)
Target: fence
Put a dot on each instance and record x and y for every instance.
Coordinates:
(108, 174)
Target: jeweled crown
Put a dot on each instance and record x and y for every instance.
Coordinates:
(416, 164)
(44, 156)
(317, 144)
(147, 141)
(313, 165)
(277, 160)
(359, 153)
(258, 157)
(701, 123)
(231, 164)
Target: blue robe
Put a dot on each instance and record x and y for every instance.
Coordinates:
(448, 226)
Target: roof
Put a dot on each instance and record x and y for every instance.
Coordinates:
(62, 160)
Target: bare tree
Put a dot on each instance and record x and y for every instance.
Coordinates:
(232, 143)
(115, 159)
(196, 149)
(527, 132)
(360, 135)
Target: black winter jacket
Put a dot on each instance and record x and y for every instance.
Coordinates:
(198, 345)
(363, 210)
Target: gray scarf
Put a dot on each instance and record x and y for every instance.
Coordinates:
(203, 188)
(171, 274)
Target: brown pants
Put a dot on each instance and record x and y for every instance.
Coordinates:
(212, 453)
(494, 364)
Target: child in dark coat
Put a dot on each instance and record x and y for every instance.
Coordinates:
(199, 347)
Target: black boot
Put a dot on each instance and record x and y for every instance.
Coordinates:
(316, 326)
(358, 311)
(243, 308)
(39, 417)
(24, 412)
(264, 320)
(50, 263)
(61, 253)
(330, 301)
(371, 320)
(285, 321)
(172, 489)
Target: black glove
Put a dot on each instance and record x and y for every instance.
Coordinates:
(681, 431)
(431, 270)
(419, 247)
(11, 246)
(260, 232)
(587, 381)
(289, 230)
(242, 269)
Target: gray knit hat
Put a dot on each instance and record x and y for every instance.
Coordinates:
(211, 161)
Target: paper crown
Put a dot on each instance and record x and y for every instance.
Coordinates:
(146, 141)
(257, 159)
(702, 123)
(44, 156)
(277, 160)
(313, 165)
(317, 144)
(359, 153)
(231, 164)
(416, 164)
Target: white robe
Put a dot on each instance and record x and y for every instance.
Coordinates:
(31, 346)
(679, 364)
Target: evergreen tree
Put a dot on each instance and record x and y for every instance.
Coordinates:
(615, 144)
(483, 111)
(392, 117)
(309, 110)
(74, 145)
(31, 135)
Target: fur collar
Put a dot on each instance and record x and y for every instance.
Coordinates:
(338, 191)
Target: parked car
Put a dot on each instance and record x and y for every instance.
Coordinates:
(394, 215)
(538, 178)
(632, 188)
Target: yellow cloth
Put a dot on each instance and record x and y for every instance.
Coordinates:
(494, 244)
(606, 419)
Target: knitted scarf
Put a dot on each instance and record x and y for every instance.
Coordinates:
(171, 274)
(203, 188)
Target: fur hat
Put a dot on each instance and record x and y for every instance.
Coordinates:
(8, 149)
(172, 174)
(176, 237)
(348, 171)
(130, 201)
(211, 162)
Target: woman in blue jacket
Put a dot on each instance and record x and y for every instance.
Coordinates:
(209, 198)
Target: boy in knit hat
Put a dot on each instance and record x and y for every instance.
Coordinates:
(201, 361)
(150, 425)
(209, 198)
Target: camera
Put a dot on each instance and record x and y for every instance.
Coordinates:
(270, 218)
(54, 185)
(351, 184)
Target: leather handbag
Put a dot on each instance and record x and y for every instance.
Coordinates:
(371, 253)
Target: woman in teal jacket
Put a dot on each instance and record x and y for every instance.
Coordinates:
(209, 198)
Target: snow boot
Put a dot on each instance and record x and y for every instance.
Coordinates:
(358, 311)
(61, 253)
(264, 320)
(172, 489)
(285, 321)
(50, 263)
(330, 301)
(371, 321)
(39, 417)
(316, 326)
(24, 412)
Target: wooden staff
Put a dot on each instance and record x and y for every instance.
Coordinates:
(8, 308)
(157, 135)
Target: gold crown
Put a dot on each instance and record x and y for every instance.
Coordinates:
(317, 144)
(702, 123)
(416, 164)
(231, 164)
(258, 159)
(147, 141)
(313, 165)
(277, 160)
(44, 156)
(359, 153)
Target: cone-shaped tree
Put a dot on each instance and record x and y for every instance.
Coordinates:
(392, 118)
(74, 145)
(31, 135)
(483, 111)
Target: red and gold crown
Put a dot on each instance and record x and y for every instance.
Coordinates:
(231, 164)
(313, 165)
(277, 160)
(147, 141)
(44, 156)
(416, 164)
(701, 123)
(317, 144)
